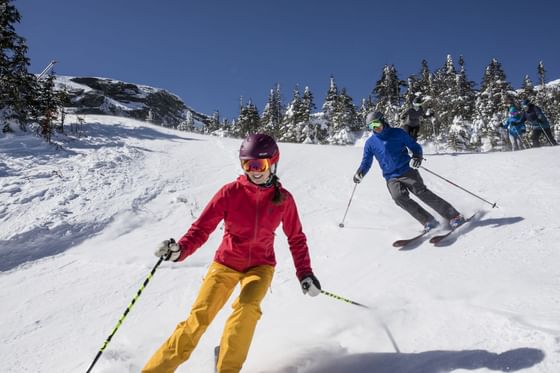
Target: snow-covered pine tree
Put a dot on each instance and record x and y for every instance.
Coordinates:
(344, 120)
(324, 131)
(527, 89)
(365, 107)
(291, 127)
(248, 121)
(544, 96)
(307, 108)
(445, 98)
(492, 101)
(461, 131)
(273, 113)
(18, 88)
(388, 92)
(47, 106)
(214, 124)
(466, 93)
(188, 123)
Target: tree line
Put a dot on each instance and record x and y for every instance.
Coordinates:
(461, 116)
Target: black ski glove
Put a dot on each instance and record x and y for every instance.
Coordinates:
(358, 176)
(417, 161)
(310, 285)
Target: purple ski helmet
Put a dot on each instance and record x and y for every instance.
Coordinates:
(259, 146)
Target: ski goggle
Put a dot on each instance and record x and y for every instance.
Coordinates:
(255, 165)
(374, 124)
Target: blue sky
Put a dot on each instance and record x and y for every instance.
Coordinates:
(211, 52)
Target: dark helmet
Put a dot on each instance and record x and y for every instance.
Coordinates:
(417, 102)
(375, 116)
(259, 146)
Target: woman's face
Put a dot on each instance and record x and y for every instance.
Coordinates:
(259, 177)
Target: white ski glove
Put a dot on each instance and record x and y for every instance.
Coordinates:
(310, 285)
(169, 250)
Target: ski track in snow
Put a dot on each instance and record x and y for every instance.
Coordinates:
(80, 221)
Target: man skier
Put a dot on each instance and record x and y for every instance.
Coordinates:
(390, 147)
(535, 119)
(412, 117)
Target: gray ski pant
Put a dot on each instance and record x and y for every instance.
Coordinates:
(399, 188)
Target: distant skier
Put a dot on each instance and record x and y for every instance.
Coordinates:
(412, 118)
(515, 127)
(389, 146)
(535, 120)
(252, 207)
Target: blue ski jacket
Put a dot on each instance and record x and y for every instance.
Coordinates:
(389, 147)
(515, 126)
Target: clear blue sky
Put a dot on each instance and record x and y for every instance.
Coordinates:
(211, 52)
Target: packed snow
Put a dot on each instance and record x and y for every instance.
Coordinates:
(80, 220)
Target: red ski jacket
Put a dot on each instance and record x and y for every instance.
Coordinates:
(250, 221)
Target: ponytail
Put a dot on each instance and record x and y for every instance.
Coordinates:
(277, 197)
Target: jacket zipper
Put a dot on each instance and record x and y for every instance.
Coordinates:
(255, 227)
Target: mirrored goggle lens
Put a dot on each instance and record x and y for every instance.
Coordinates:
(255, 165)
(374, 124)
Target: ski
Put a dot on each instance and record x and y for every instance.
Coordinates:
(407, 241)
(216, 356)
(437, 239)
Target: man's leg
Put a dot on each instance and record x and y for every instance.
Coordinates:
(535, 137)
(240, 326)
(414, 132)
(214, 292)
(400, 195)
(414, 182)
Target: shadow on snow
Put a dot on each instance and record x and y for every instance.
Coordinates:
(422, 362)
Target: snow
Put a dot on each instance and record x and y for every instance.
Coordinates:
(80, 220)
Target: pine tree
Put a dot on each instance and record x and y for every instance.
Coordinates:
(291, 127)
(388, 91)
(344, 120)
(273, 113)
(527, 89)
(493, 98)
(445, 96)
(324, 131)
(541, 96)
(466, 93)
(18, 88)
(248, 121)
(307, 107)
(214, 124)
(47, 107)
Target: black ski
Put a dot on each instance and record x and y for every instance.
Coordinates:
(407, 241)
(216, 356)
(437, 239)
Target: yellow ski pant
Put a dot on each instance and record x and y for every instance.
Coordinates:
(216, 288)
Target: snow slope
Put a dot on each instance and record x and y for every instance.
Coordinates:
(79, 222)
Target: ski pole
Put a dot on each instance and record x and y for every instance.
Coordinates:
(146, 281)
(460, 187)
(341, 225)
(545, 134)
(383, 325)
(343, 299)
